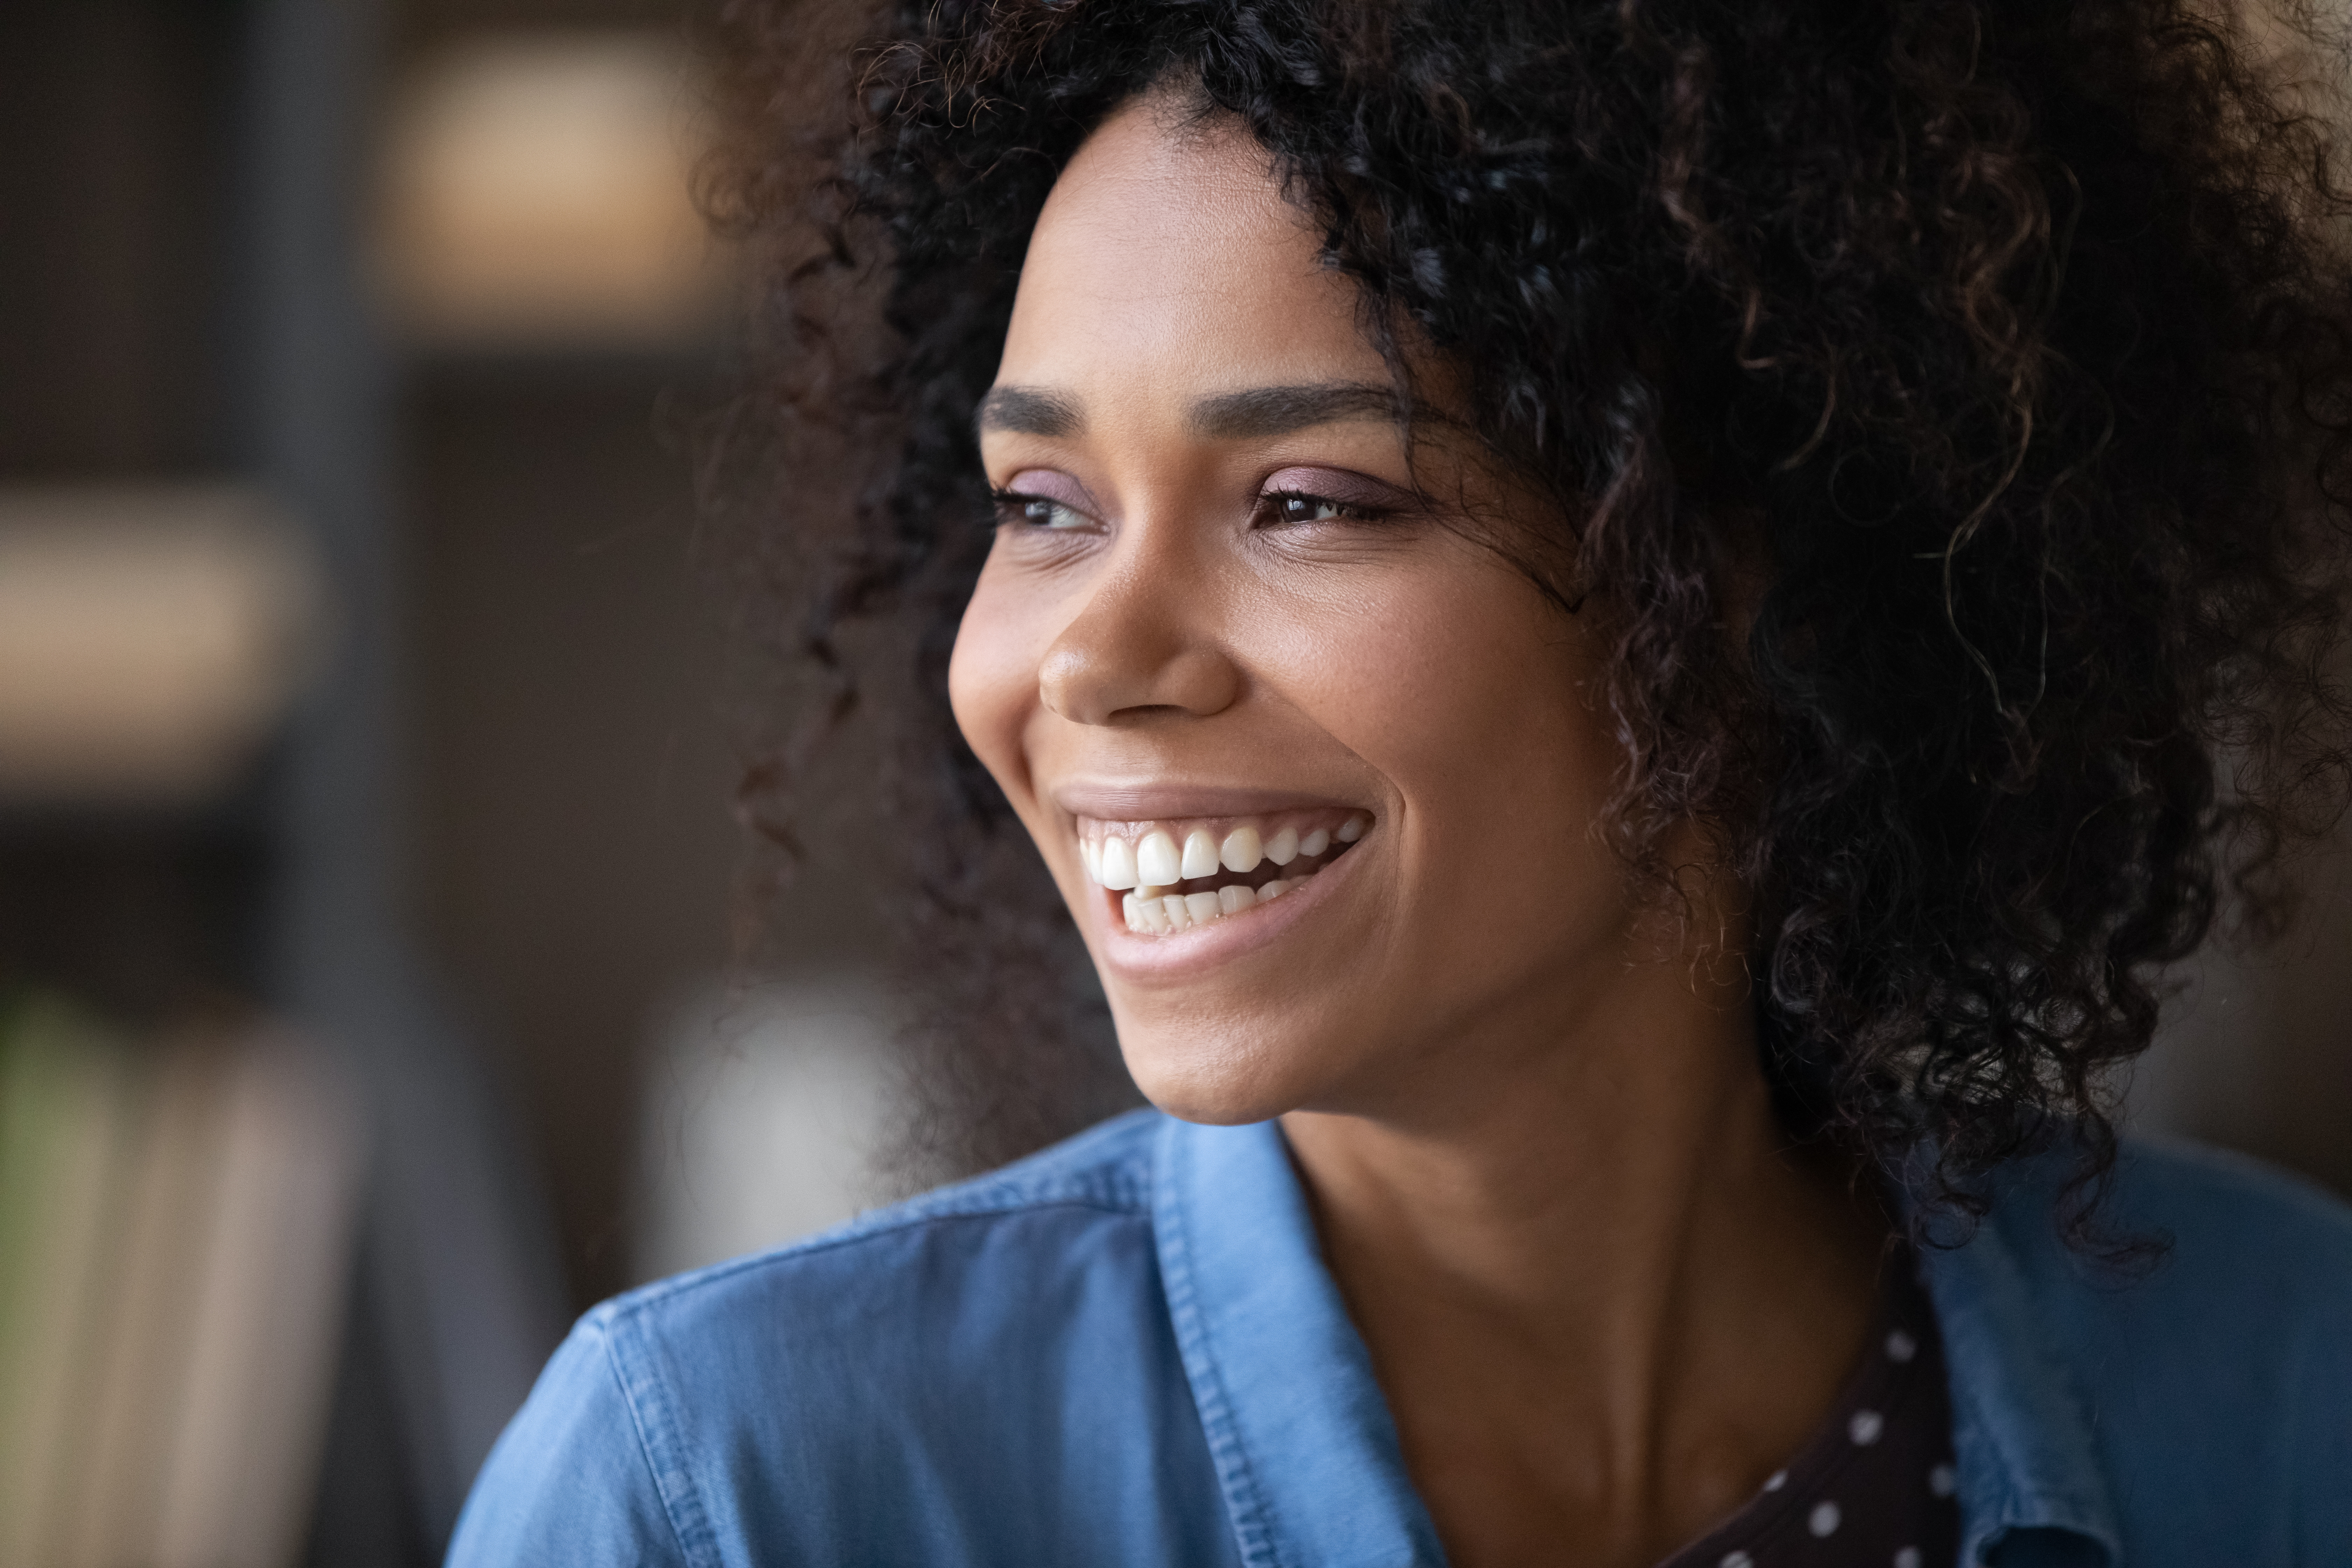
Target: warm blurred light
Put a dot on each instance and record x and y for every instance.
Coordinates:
(762, 1121)
(537, 194)
(149, 636)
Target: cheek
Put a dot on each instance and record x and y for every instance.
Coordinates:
(1463, 688)
(993, 681)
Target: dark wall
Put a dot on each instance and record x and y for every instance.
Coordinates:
(115, 206)
(572, 780)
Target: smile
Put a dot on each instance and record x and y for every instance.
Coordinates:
(1178, 875)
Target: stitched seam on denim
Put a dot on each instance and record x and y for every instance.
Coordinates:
(1252, 1519)
(2018, 1506)
(1973, 1438)
(1077, 1196)
(659, 1444)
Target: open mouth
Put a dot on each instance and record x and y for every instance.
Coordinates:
(1178, 875)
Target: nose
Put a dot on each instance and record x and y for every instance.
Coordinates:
(1136, 650)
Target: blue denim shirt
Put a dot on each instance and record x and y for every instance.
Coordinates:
(1126, 1351)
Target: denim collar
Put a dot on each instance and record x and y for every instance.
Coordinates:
(1307, 1452)
(1300, 1434)
(2020, 1428)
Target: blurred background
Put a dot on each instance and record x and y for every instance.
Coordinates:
(369, 992)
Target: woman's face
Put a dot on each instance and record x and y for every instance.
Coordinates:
(1317, 775)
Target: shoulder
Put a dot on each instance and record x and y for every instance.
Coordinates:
(2244, 1265)
(2217, 1375)
(1062, 1206)
(2231, 1239)
(926, 1337)
(569, 1482)
(2220, 1197)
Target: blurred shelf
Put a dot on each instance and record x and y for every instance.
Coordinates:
(535, 198)
(152, 637)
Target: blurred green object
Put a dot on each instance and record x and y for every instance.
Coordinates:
(66, 1126)
(176, 1213)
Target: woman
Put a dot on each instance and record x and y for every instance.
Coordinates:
(1619, 626)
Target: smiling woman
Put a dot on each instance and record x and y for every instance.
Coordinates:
(1230, 603)
(1619, 626)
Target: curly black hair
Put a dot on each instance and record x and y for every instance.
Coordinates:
(1945, 403)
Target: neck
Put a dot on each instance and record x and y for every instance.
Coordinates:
(1591, 1270)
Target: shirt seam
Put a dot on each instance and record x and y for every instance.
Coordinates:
(658, 1447)
(641, 1301)
(2023, 1500)
(1253, 1522)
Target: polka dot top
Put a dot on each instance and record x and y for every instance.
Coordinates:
(1874, 1487)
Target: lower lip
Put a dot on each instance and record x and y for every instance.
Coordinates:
(1186, 954)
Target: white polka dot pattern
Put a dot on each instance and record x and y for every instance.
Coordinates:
(1850, 1498)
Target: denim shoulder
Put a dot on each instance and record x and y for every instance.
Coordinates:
(2217, 1371)
(785, 1353)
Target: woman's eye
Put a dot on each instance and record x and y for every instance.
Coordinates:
(1015, 511)
(1296, 507)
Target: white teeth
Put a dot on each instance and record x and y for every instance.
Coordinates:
(1152, 867)
(1200, 854)
(1162, 914)
(1156, 859)
(1242, 850)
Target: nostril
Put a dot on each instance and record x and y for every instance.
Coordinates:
(1065, 687)
(1108, 669)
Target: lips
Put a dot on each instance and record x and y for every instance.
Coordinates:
(1178, 874)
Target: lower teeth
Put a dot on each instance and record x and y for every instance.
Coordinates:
(1172, 912)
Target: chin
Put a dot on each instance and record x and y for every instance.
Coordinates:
(1219, 1084)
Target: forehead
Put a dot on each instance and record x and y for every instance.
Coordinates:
(1166, 264)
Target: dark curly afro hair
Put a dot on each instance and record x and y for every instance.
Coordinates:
(1945, 404)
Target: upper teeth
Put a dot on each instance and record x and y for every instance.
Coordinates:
(1151, 856)
(1156, 859)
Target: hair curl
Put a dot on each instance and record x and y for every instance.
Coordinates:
(1946, 400)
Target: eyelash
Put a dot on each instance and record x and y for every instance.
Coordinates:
(1342, 512)
(1010, 508)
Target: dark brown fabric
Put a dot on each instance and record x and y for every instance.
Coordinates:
(1875, 1486)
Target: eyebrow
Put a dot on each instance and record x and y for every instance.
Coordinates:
(1256, 413)
(1265, 411)
(1028, 411)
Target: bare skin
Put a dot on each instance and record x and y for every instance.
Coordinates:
(1603, 1297)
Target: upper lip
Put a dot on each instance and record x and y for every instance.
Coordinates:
(1108, 800)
